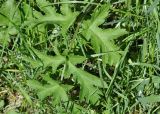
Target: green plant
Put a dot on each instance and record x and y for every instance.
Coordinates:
(80, 56)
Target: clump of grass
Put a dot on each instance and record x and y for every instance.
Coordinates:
(79, 56)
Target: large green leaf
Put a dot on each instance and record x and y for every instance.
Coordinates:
(65, 19)
(53, 88)
(53, 61)
(103, 39)
(45, 60)
(89, 84)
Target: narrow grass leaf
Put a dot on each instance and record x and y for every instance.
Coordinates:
(25, 94)
(146, 65)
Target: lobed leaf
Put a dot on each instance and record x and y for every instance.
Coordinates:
(102, 40)
(53, 88)
(65, 20)
(88, 83)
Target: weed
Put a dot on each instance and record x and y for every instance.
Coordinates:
(79, 56)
